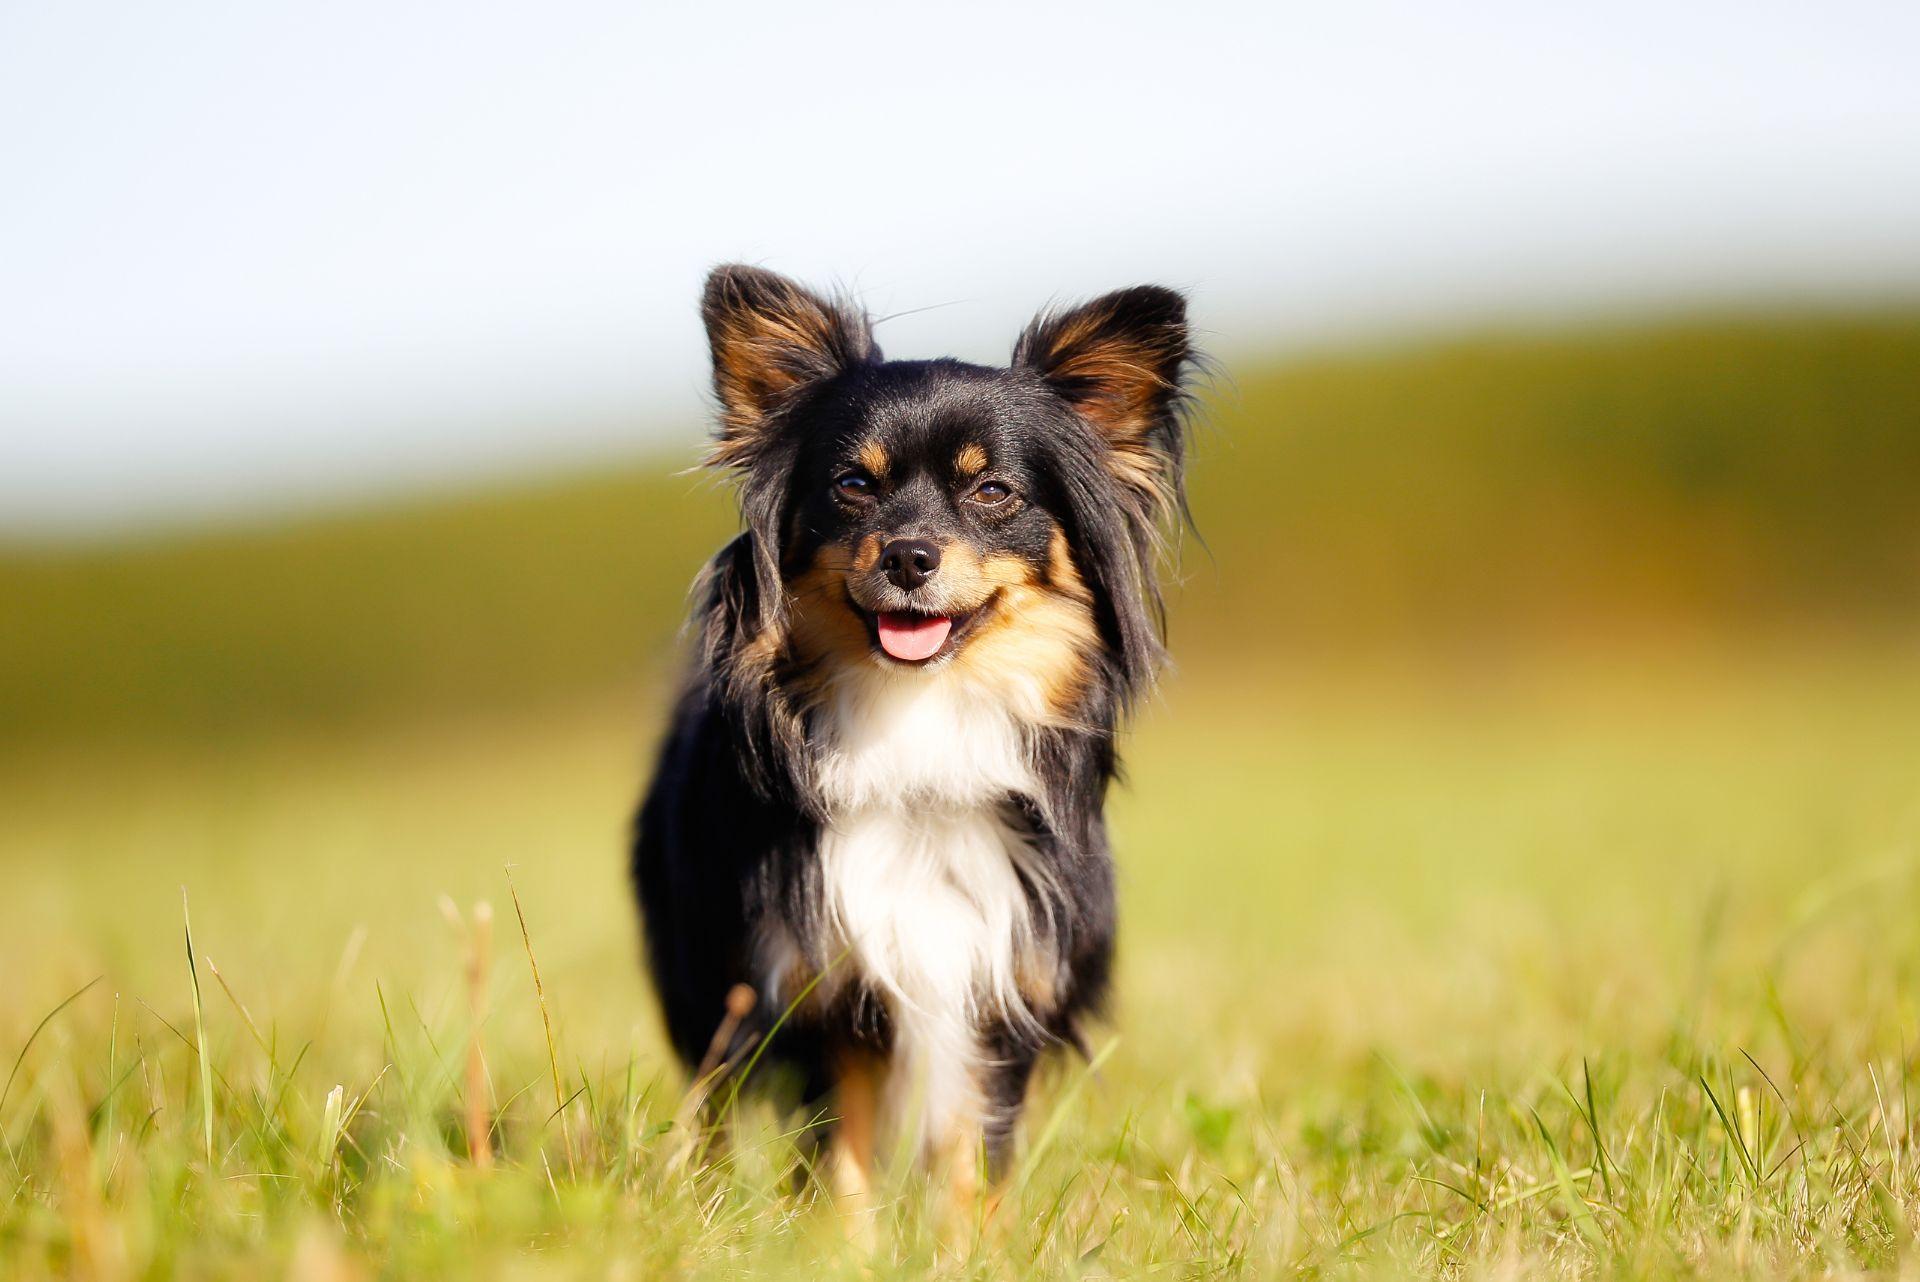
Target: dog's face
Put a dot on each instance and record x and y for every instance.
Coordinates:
(921, 514)
(924, 506)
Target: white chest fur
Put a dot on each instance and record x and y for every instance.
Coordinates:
(922, 873)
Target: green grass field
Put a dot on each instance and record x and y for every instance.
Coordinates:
(1521, 873)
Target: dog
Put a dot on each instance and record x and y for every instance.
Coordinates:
(873, 854)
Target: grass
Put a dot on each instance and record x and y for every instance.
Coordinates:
(1607, 969)
(1583, 946)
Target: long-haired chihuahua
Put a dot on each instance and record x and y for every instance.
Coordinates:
(879, 808)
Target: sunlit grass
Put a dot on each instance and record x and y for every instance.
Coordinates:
(1602, 964)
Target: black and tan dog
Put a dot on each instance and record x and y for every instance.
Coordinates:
(880, 803)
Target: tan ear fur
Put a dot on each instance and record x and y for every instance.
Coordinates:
(771, 340)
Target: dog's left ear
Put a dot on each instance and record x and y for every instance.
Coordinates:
(1122, 361)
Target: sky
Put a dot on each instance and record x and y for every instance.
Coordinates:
(259, 256)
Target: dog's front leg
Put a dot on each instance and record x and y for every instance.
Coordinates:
(857, 1087)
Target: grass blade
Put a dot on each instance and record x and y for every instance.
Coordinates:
(200, 1036)
(1733, 1133)
(37, 1030)
(546, 1020)
(1577, 1209)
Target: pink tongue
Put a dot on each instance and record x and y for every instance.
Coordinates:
(913, 637)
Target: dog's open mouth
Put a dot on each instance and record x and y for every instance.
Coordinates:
(912, 638)
(909, 636)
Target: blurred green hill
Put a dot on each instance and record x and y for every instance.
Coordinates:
(1704, 475)
(1716, 475)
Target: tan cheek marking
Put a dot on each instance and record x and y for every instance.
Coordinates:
(1061, 569)
(963, 572)
(1043, 640)
(1041, 637)
(873, 457)
(1006, 572)
(970, 461)
(1038, 647)
(824, 630)
(867, 554)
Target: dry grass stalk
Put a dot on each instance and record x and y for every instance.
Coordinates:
(200, 1036)
(98, 1250)
(546, 1022)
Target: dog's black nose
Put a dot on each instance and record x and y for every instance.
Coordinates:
(909, 562)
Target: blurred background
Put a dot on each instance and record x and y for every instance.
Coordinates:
(1560, 586)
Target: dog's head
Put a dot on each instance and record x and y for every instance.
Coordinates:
(920, 515)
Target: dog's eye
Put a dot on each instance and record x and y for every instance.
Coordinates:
(854, 485)
(990, 493)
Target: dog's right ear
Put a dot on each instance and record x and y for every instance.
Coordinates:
(772, 340)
